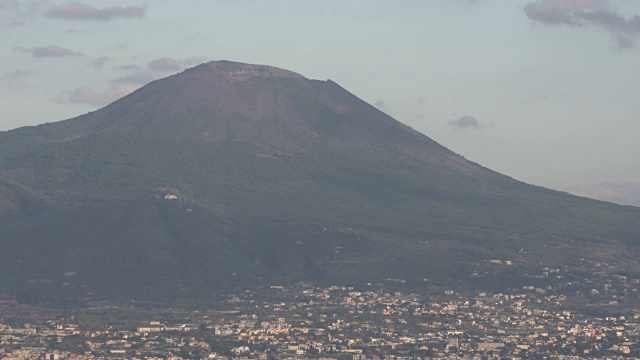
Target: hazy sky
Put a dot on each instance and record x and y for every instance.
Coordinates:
(546, 91)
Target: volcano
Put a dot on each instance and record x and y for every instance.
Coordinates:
(231, 174)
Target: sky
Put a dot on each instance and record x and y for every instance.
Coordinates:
(545, 91)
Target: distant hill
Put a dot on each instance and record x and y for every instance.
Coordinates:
(230, 174)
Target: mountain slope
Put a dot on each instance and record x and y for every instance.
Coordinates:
(280, 176)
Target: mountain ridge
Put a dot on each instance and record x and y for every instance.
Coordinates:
(240, 71)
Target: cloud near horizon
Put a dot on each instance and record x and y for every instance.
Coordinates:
(16, 80)
(380, 104)
(78, 11)
(154, 70)
(9, 5)
(619, 193)
(48, 51)
(14, 13)
(465, 122)
(100, 62)
(76, 31)
(584, 14)
(122, 86)
(85, 95)
(130, 67)
(164, 64)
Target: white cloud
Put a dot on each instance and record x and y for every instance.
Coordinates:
(12, 5)
(465, 122)
(14, 13)
(74, 11)
(164, 64)
(48, 51)
(124, 85)
(154, 70)
(619, 193)
(85, 95)
(16, 80)
(380, 104)
(584, 14)
(100, 62)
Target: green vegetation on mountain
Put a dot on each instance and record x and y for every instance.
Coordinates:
(276, 177)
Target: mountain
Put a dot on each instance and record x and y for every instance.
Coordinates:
(231, 174)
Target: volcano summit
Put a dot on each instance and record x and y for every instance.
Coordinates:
(230, 174)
